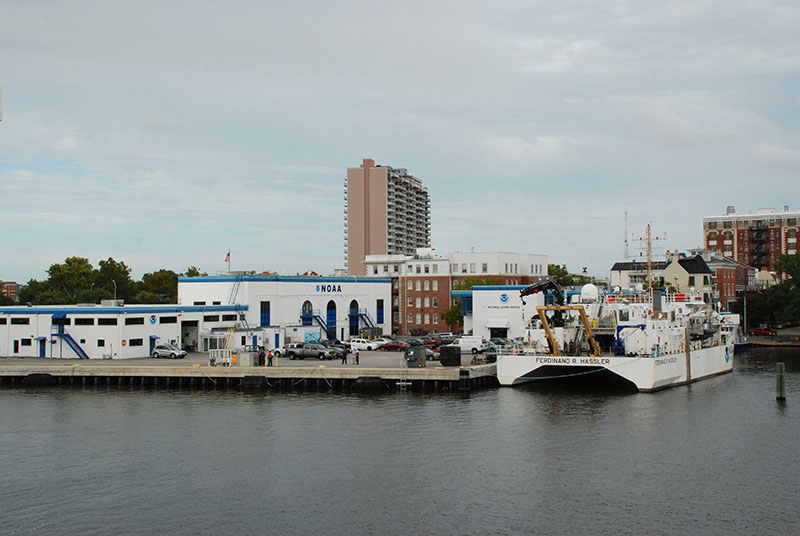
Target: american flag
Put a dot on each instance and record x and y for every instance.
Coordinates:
(228, 256)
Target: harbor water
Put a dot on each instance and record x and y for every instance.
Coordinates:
(719, 456)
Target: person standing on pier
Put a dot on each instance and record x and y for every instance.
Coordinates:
(344, 355)
(355, 355)
(269, 358)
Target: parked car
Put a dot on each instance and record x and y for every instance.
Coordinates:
(397, 346)
(310, 349)
(364, 344)
(416, 332)
(381, 340)
(761, 331)
(337, 346)
(168, 350)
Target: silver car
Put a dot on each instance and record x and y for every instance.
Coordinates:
(168, 350)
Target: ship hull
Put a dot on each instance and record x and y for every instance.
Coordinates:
(646, 373)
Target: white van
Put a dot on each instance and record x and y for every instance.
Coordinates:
(365, 344)
(471, 344)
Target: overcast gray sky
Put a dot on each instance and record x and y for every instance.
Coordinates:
(165, 133)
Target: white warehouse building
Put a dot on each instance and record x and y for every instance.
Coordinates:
(298, 308)
(110, 332)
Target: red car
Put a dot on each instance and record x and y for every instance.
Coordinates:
(396, 346)
(761, 331)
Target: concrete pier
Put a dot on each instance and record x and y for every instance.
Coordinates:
(383, 373)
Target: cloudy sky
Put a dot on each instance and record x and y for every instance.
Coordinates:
(165, 133)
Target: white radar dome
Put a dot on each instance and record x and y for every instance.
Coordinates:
(589, 293)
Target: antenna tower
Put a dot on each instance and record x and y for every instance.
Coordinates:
(646, 243)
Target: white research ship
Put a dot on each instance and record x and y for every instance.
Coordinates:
(652, 344)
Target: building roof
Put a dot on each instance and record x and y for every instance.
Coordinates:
(637, 266)
(695, 265)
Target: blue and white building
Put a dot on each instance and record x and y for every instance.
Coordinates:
(497, 311)
(297, 308)
(111, 332)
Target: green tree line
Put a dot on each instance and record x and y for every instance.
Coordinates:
(77, 281)
(778, 304)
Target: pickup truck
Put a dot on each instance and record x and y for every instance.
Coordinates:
(761, 331)
(309, 349)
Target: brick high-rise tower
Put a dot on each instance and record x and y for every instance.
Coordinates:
(386, 212)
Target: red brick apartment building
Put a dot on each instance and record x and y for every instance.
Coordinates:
(10, 289)
(757, 239)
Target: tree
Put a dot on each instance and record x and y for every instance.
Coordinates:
(74, 277)
(453, 315)
(473, 281)
(163, 283)
(194, 271)
(114, 279)
(789, 265)
(564, 278)
(6, 300)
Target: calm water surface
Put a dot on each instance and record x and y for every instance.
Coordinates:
(718, 457)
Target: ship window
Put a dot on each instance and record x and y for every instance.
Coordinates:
(624, 315)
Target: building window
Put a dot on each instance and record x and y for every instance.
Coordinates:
(60, 321)
(705, 280)
(484, 268)
(472, 267)
(427, 319)
(134, 321)
(410, 301)
(410, 318)
(427, 301)
(385, 268)
(228, 318)
(727, 224)
(211, 318)
(396, 301)
(106, 321)
(84, 321)
(395, 283)
(3, 321)
(435, 319)
(199, 303)
(216, 303)
(427, 268)
(168, 320)
(464, 268)
(419, 301)
(419, 284)
(410, 285)
(435, 284)
(396, 317)
(419, 268)
(20, 321)
(435, 302)
(419, 318)
(427, 285)
(691, 280)
(435, 268)
(453, 268)
(136, 342)
(25, 342)
(375, 270)
(396, 268)
(101, 343)
(379, 312)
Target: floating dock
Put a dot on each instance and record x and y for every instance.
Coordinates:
(317, 378)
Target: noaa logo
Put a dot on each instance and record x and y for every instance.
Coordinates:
(504, 297)
(152, 319)
(329, 288)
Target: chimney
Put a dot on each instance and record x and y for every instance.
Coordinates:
(730, 210)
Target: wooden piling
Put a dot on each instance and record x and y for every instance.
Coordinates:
(780, 382)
